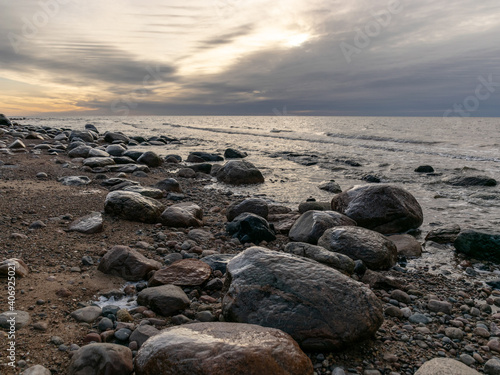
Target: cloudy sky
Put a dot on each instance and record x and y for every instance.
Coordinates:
(250, 57)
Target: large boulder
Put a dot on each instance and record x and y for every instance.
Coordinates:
(133, 206)
(311, 225)
(201, 157)
(183, 215)
(185, 272)
(239, 173)
(80, 152)
(374, 249)
(232, 153)
(101, 359)
(4, 120)
(338, 261)
(169, 185)
(165, 300)
(446, 234)
(127, 263)
(406, 245)
(248, 227)
(222, 349)
(321, 308)
(382, 208)
(256, 206)
(445, 366)
(116, 137)
(84, 135)
(146, 191)
(479, 244)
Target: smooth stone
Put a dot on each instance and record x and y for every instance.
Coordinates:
(105, 359)
(145, 191)
(133, 206)
(406, 245)
(239, 173)
(492, 367)
(248, 227)
(90, 224)
(479, 244)
(98, 162)
(169, 185)
(445, 366)
(185, 272)
(166, 300)
(142, 334)
(20, 268)
(467, 181)
(182, 215)
(22, 319)
(222, 349)
(87, 314)
(419, 318)
(440, 306)
(232, 153)
(331, 186)
(218, 262)
(74, 180)
(255, 206)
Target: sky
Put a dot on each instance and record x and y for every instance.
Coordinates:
(250, 57)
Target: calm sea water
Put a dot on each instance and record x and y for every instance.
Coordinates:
(296, 154)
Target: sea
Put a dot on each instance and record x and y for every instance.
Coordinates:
(297, 153)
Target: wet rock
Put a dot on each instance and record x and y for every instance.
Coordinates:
(166, 300)
(406, 245)
(142, 333)
(20, 268)
(98, 162)
(169, 185)
(248, 227)
(239, 173)
(274, 289)
(182, 215)
(470, 181)
(375, 250)
(185, 272)
(314, 206)
(109, 359)
(424, 169)
(127, 263)
(445, 366)
(232, 153)
(479, 244)
(222, 349)
(331, 186)
(36, 370)
(151, 159)
(446, 234)
(74, 180)
(133, 206)
(201, 168)
(111, 137)
(201, 157)
(88, 224)
(255, 206)
(116, 150)
(87, 314)
(312, 224)
(338, 261)
(84, 135)
(22, 319)
(382, 208)
(145, 191)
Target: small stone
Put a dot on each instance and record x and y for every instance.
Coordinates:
(492, 367)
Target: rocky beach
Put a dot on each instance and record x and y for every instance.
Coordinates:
(128, 262)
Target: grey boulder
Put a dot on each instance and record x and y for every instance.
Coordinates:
(255, 206)
(166, 300)
(133, 206)
(101, 359)
(182, 215)
(238, 172)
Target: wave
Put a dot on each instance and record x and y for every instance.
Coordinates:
(380, 139)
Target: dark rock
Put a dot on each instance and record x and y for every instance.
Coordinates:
(185, 272)
(424, 169)
(116, 150)
(248, 227)
(338, 261)
(91, 127)
(80, 152)
(378, 281)
(331, 186)
(321, 308)
(407, 245)
(166, 300)
(173, 158)
(87, 314)
(218, 262)
(22, 319)
(255, 206)
(314, 206)
(151, 159)
(373, 248)
(479, 245)
(21, 269)
(382, 208)
(201, 157)
(111, 137)
(101, 359)
(142, 334)
(84, 135)
(133, 206)
(88, 224)
(231, 153)
(371, 178)
(222, 349)
(239, 173)
(447, 234)
(182, 215)
(311, 225)
(186, 173)
(470, 181)
(132, 154)
(127, 263)
(5, 121)
(17, 144)
(145, 191)
(97, 153)
(201, 168)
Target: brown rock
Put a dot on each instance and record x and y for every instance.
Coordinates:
(127, 263)
(445, 366)
(407, 245)
(103, 359)
(439, 306)
(165, 300)
(184, 272)
(182, 215)
(17, 265)
(222, 349)
(378, 281)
